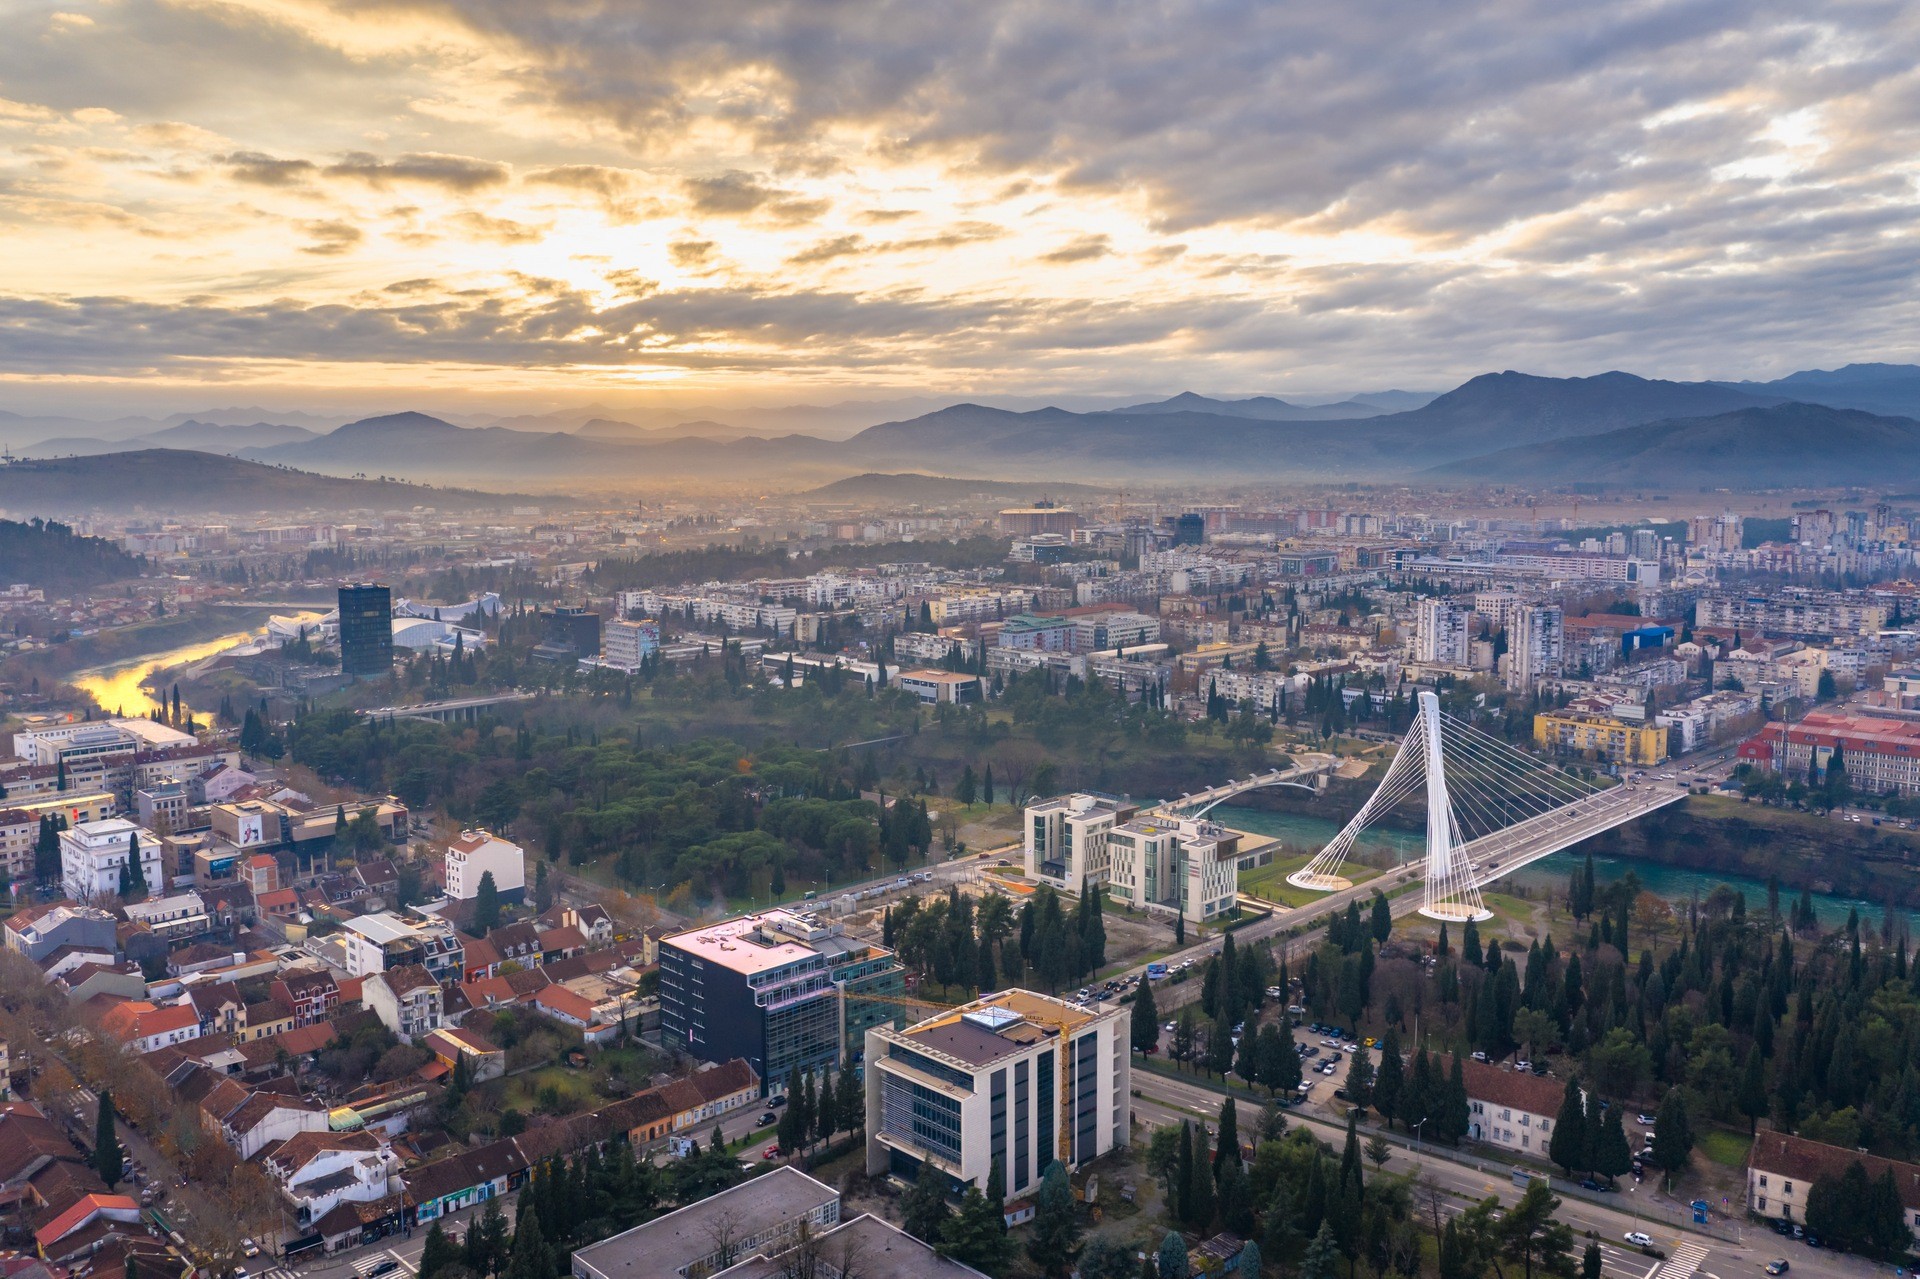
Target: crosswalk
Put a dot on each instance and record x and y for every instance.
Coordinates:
(1683, 1262)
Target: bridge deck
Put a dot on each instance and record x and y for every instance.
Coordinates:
(1527, 842)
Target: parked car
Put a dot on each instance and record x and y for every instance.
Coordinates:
(1480, 1057)
(1645, 1119)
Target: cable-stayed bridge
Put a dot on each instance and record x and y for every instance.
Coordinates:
(1491, 809)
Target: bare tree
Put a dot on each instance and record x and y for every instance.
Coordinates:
(724, 1231)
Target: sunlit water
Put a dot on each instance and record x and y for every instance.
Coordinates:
(1303, 834)
(121, 686)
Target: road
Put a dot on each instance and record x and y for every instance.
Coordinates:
(1468, 1177)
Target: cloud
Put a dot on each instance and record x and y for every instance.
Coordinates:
(600, 179)
(739, 194)
(827, 250)
(331, 238)
(500, 230)
(691, 253)
(261, 169)
(454, 172)
(1083, 249)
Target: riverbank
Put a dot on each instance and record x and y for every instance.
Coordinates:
(91, 662)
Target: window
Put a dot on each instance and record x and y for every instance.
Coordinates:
(1763, 1181)
(1786, 1188)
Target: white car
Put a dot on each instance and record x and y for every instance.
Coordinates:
(1639, 1238)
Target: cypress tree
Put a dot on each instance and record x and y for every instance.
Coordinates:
(1145, 1029)
(1228, 1150)
(1568, 1145)
(1389, 1079)
(108, 1160)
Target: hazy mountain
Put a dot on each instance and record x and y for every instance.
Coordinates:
(604, 429)
(1261, 407)
(1890, 389)
(928, 489)
(1775, 446)
(181, 480)
(317, 423)
(1395, 401)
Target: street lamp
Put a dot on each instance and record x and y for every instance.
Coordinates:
(1416, 1135)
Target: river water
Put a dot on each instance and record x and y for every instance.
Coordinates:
(1299, 833)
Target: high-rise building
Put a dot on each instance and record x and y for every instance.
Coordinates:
(1536, 645)
(366, 629)
(1016, 1078)
(1190, 529)
(770, 989)
(1440, 634)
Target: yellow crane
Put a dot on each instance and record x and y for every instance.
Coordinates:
(1064, 1129)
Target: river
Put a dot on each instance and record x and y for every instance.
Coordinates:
(121, 686)
(1299, 833)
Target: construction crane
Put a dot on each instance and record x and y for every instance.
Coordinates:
(1064, 1129)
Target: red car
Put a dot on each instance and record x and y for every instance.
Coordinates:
(771, 1152)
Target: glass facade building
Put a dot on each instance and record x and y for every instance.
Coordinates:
(366, 629)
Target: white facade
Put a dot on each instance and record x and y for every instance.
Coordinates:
(1536, 645)
(335, 1176)
(92, 855)
(1016, 1077)
(1066, 838)
(1440, 633)
(477, 853)
(625, 645)
(1187, 864)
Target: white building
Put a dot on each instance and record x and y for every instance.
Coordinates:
(1536, 645)
(477, 853)
(92, 855)
(1512, 1109)
(1441, 634)
(1015, 1077)
(406, 999)
(316, 1171)
(1184, 864)
(1067, 838)
(383, 940)
(625, 645)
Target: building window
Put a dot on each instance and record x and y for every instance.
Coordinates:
(1786, 1188)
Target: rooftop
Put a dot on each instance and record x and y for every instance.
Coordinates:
(741, 944)
(879, 1247)
(666, 1245)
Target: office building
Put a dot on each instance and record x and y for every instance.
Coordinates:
(1536, 645)
(1028, 520)
(708, 1236)
(1881, 755)
(771, 989)
(1066, 838)
(478, 853)
(1185, 864)
(570, 631)
(941, 687)
(1189, 529)
(366, 629)
(1014, 1077)
(626, 646)
(1037, 634)
(93, 856)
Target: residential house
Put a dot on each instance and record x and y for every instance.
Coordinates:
(144, 1027)
(452, 1043)
(406, 999)
(315, 1171)
(1781, 1170)
(311, 994)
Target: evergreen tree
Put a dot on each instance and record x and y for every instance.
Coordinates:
(1055, 1237)
(1323, 1256)
(1590, 1262)
(997, 1192)
(1228, 1150)
(1172, 1261)
(1470, 945)
(437, 1253)
(486, 905)
(1146, 1018)
(495, 1239)
(1247, 1264)
(986, 787)
(1382, 917)
(134, 881)
(1456, 1111)
(532, 1257)
(986, 978)
(1673, 1133)
(1182, 1173)
(1179, 929)
(1389, 1079)
(976, 1235)
(923, 1208)
(108, 1160)
(1612, 1157)
(1200, 1198)
(1753, 1085)
(542, 890)
(1359, 1082)
(1568, 1145)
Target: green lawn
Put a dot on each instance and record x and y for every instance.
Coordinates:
(1728, 1149)
(1269, 882)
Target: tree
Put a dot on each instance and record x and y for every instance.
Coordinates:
(133, 880)
(1590, 1262)
(532, 1257)
(1104, 1257)
(1753, 1089)
(437, 1253)
(1611, 1155)
(1673, 1133)
(1055, 1238)
(542, 890)
(1200, 1200)
(494, 1239)
(1382, 917)
(1146, 1018)
(1247, 1264)
(923, 1208)
(1185, 1029)
(1390, 1079)
(1323, 1256)
(1568, 1145)
(976, 1235)
(1172, 1259)
(1530, 1233)
(1279, 1063)
(1163, 1161)
(486, 905)
(1360, 1079)
(1180, 930)
(1182, 1172)
(1220, 1046)
(108, 1160)
(1228, 1149)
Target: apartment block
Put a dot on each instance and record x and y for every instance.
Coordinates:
(477, 854)
(1569, 732)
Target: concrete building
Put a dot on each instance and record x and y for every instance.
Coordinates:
(768, 988)
(366, 629)
(1536, 645)
(1027, 520)
(1441, 633)
(1066, 838)
(1512, 1109)
(942, 687)
(377, 942)
(713, 1234)
(38, 931)
(407, 1000)
(1793, 611)
(93, 855)
(1037, 634)
(478, 853)
(1601, 737)
(1781, 1170)
(1185, 864)
(625, 645)
(1017, 1077)
(1881, 755)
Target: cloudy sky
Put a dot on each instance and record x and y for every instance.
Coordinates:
(567, 197)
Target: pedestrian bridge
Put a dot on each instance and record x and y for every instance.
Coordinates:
(1307, 773)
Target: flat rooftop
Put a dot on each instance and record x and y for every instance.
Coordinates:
(666, 1245)
(879, 1247)
(736, 944)
(996, 1026)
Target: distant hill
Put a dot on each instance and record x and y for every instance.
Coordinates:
(877, 487)
(182, 480)
(210, 437)
(1263, 408)
(1775, 446)
(1889, 389)
(49, 555)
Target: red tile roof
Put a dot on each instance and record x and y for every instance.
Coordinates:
(1803, 1160)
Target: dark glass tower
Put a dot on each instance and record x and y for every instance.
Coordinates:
(366, 629)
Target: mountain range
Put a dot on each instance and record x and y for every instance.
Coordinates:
(1507, 427)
